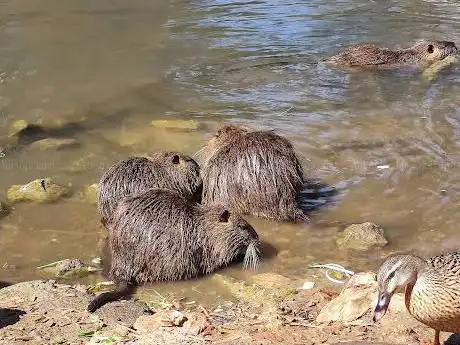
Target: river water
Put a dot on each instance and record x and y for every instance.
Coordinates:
(387, 141)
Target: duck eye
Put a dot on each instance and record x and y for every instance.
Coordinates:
(391, 275)
(430, 48)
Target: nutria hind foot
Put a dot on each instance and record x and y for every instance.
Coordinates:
(122, 290)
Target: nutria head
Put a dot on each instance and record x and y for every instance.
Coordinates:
(171, 170)
(182, 171)
(231, 237)
(224, 136)
(430, 51)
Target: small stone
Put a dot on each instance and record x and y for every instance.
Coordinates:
(96, 261)
(307, 286)
(362, 237)
(176, 124)
(53, 144)
(196, 323)
(41, 190)
(177, 318)
(4, 209)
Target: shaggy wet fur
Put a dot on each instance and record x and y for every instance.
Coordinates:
(170, 170)
(159, 235)
(252, 172)
(422, 54)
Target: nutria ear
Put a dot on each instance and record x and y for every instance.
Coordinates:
(224, 216)
(175, 159)
(430, 48)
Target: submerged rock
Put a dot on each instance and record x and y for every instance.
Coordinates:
(68, 268)
(41, 191)
(356, 299)
(90, 193)
(362, 237)
(176, 124)
(54, 144)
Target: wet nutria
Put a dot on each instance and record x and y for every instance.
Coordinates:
(135, 174)
(252, 172)
(422, 54)
(159, 235)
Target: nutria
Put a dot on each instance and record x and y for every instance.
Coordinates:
(158, 235)
(422, 54)
(170, 170)
(252, 172)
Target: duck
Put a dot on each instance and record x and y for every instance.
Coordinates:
(432, 289)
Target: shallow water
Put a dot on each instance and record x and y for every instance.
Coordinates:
(388, 141)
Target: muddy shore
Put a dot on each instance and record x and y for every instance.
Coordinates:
(46, 312)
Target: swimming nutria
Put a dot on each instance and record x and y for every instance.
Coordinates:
(159, 235)
(134, 174)
(422, 54)
(252, 172)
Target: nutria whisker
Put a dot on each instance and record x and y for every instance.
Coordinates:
(251, 258)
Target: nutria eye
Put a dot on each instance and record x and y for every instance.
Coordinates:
(224, 216)
(430, 48)
(175, 159)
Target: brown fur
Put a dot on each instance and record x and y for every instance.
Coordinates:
(422, 54)
(170, 170)
(252, 172)
(159, 235)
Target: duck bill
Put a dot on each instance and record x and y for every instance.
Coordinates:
(382, 306)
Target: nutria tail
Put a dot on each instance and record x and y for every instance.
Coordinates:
(122, 290)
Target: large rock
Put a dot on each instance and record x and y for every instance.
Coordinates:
(356, 299)
(41, 191)
(362, 237)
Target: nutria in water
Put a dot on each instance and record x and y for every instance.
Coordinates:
(252, 172)
(170, 170)
(422, 54)
(158, 235)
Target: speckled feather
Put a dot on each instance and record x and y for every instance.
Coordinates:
(434, 299)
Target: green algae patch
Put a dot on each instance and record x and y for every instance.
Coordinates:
(91, 193)
(40, 191)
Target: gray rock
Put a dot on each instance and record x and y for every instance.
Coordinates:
(362, 237)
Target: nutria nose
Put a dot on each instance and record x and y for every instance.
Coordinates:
(451, 45)
(252, 232)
